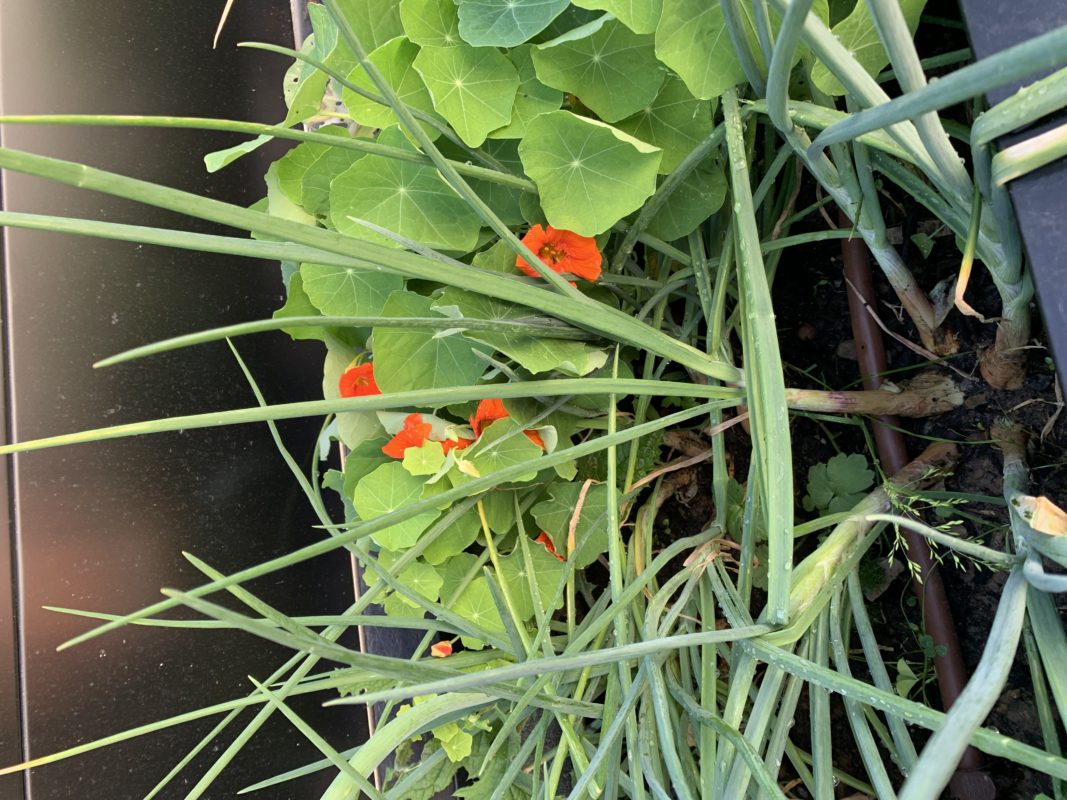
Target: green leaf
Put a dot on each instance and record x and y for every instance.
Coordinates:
(505, 23)
(377, 21)
(394, 60)
(699, 196)
(640, 16)
(279, 204)
(590, 534)
(859, 36)
(532, 98)
(476, 605)
(386, 489)
(222, 158)
(534, 354)
(924, 242)
(675, 122)
(839, 484)
(906, 678)
(692, 40)
(848, 474)
(305, 172)
(471, 87)
(504, 200)
(424, 460)
(303, 87)
(456, 742)
(547, 570)
(589, 175)
(361, 460)
(499, 508)
(298, 304)
(421, 578)
(409, 199)
(455, 539)
(454, 571)
(614, 71)
(347, 291)
(406, 359)
(431, 23)
(503, 444)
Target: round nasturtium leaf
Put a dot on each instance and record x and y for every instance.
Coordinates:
(476, 605)
(591, 532)
(377, 21)
(640, 16)
(407, 359)
(411, 200)
(472, 87)
(431, 23)
(613, 71)
(394, 60)
(675, 121)
(589, 175)
(692, 40)
(699, 196)
(387, 489)
(346, 291)
(505, 23)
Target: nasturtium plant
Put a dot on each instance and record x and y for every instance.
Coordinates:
(388, 488)
(431, 23)
(347, 291)
(591, 531)
(505, 23)
(532, 97)
(377, 21)
(395, 59)
(696, 198)
(589, 174)
(535, 354)
(306, 171)
(473, 88)
(640, 16)
(674, 121)
(613, 71)
(408, 199)
(692, 40)
(407, 359)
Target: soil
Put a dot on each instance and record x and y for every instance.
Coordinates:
(818, 352)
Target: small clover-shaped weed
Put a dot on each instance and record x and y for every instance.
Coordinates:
(838, 484)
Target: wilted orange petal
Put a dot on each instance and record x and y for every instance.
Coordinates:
(535, 437)
(414, 434)
(456, 444)
(441, 650)
(546, 540)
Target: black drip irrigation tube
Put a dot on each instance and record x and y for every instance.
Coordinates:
(970, 780)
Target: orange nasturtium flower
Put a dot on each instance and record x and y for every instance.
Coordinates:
(441, 650)
(416, 433)
(490, 411)
(358, 381)
(546, 540)
(561, 251)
